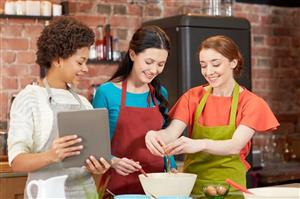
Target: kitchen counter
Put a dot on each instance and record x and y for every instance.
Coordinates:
(278, 174)
(12, 184)
(239, 195)
(7, 172)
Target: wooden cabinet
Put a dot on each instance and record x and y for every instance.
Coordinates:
(12, 187)
(11, 184)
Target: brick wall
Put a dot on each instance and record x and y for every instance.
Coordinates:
(275, 45)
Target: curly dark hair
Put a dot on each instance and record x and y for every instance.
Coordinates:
(61, 39)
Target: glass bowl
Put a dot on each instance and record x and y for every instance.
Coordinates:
(216, 190)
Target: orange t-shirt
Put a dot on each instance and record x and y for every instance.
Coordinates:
(252, 111)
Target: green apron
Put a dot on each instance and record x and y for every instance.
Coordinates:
(212, 168)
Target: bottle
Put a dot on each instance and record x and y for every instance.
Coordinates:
(108, 44)
(116, 52)
(99, 43)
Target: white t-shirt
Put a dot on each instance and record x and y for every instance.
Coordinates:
(31, 118)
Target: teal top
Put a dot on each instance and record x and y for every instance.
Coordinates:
(109, 96)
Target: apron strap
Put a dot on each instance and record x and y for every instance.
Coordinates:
(234, 104)
(202, 104)
(50, 95)
(151, 94)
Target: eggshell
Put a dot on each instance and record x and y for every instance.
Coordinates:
(221, 190)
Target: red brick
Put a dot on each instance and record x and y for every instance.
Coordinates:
(281, 52)
(14, 44)
(237, 7)
(91, 20)
(152, 10)
(115, 1)
(102, 70)
(296, 42)
(26, 57)
(175, 3)
(123, 45)
(24, 81)
(10, 30)
(263, 30)
(9, 83)
(170, 11)
(278, 41)
(33, 43)
(134, 10)
(281, 31)
(3, 105)
(72, 7)
(14, 70)
(261, 51)
(125, 22)
(8, 57)
(33, 31)
(86, 7)
(22, 21)
(34, 70)
(262, 74)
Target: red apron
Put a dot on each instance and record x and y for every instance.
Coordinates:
(129, 141)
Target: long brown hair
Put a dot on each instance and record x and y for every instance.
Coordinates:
(227, 47)
(144, 38)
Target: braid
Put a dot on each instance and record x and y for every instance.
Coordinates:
(163, 106)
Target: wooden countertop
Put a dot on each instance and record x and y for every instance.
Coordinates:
(7, 172)
(5, 168)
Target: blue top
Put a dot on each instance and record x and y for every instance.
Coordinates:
(109, 96)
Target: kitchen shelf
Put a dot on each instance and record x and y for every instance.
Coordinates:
(25, 17)
(95, 61)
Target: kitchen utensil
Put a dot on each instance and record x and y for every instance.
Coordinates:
(50, 188)
(143, 172)
(273, 193)
(111, 193)
(237, 186)
(168, 164)
(168, 184)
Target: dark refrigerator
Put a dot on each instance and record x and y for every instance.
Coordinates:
(186, 32)
(182, 70)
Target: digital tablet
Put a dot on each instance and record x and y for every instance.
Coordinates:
(90, 125)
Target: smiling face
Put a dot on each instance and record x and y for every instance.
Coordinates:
(74, 67)
(148, 64)
(216, 68)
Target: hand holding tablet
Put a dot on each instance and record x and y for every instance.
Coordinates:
(92, 127)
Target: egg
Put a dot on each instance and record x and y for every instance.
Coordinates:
(211, 190)
(221, 190)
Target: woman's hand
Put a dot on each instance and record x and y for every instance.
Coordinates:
(154, 143)
(174, 170)
(63, 147)
(184, 145)
(125, 166)
(97, 167)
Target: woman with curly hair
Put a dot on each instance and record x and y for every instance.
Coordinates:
(34, 143)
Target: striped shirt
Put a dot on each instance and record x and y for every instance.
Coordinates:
(31, 118)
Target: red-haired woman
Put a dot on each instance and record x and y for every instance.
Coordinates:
(222, 116)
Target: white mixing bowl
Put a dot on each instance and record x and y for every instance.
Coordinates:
(168, 184)
(274, 193)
